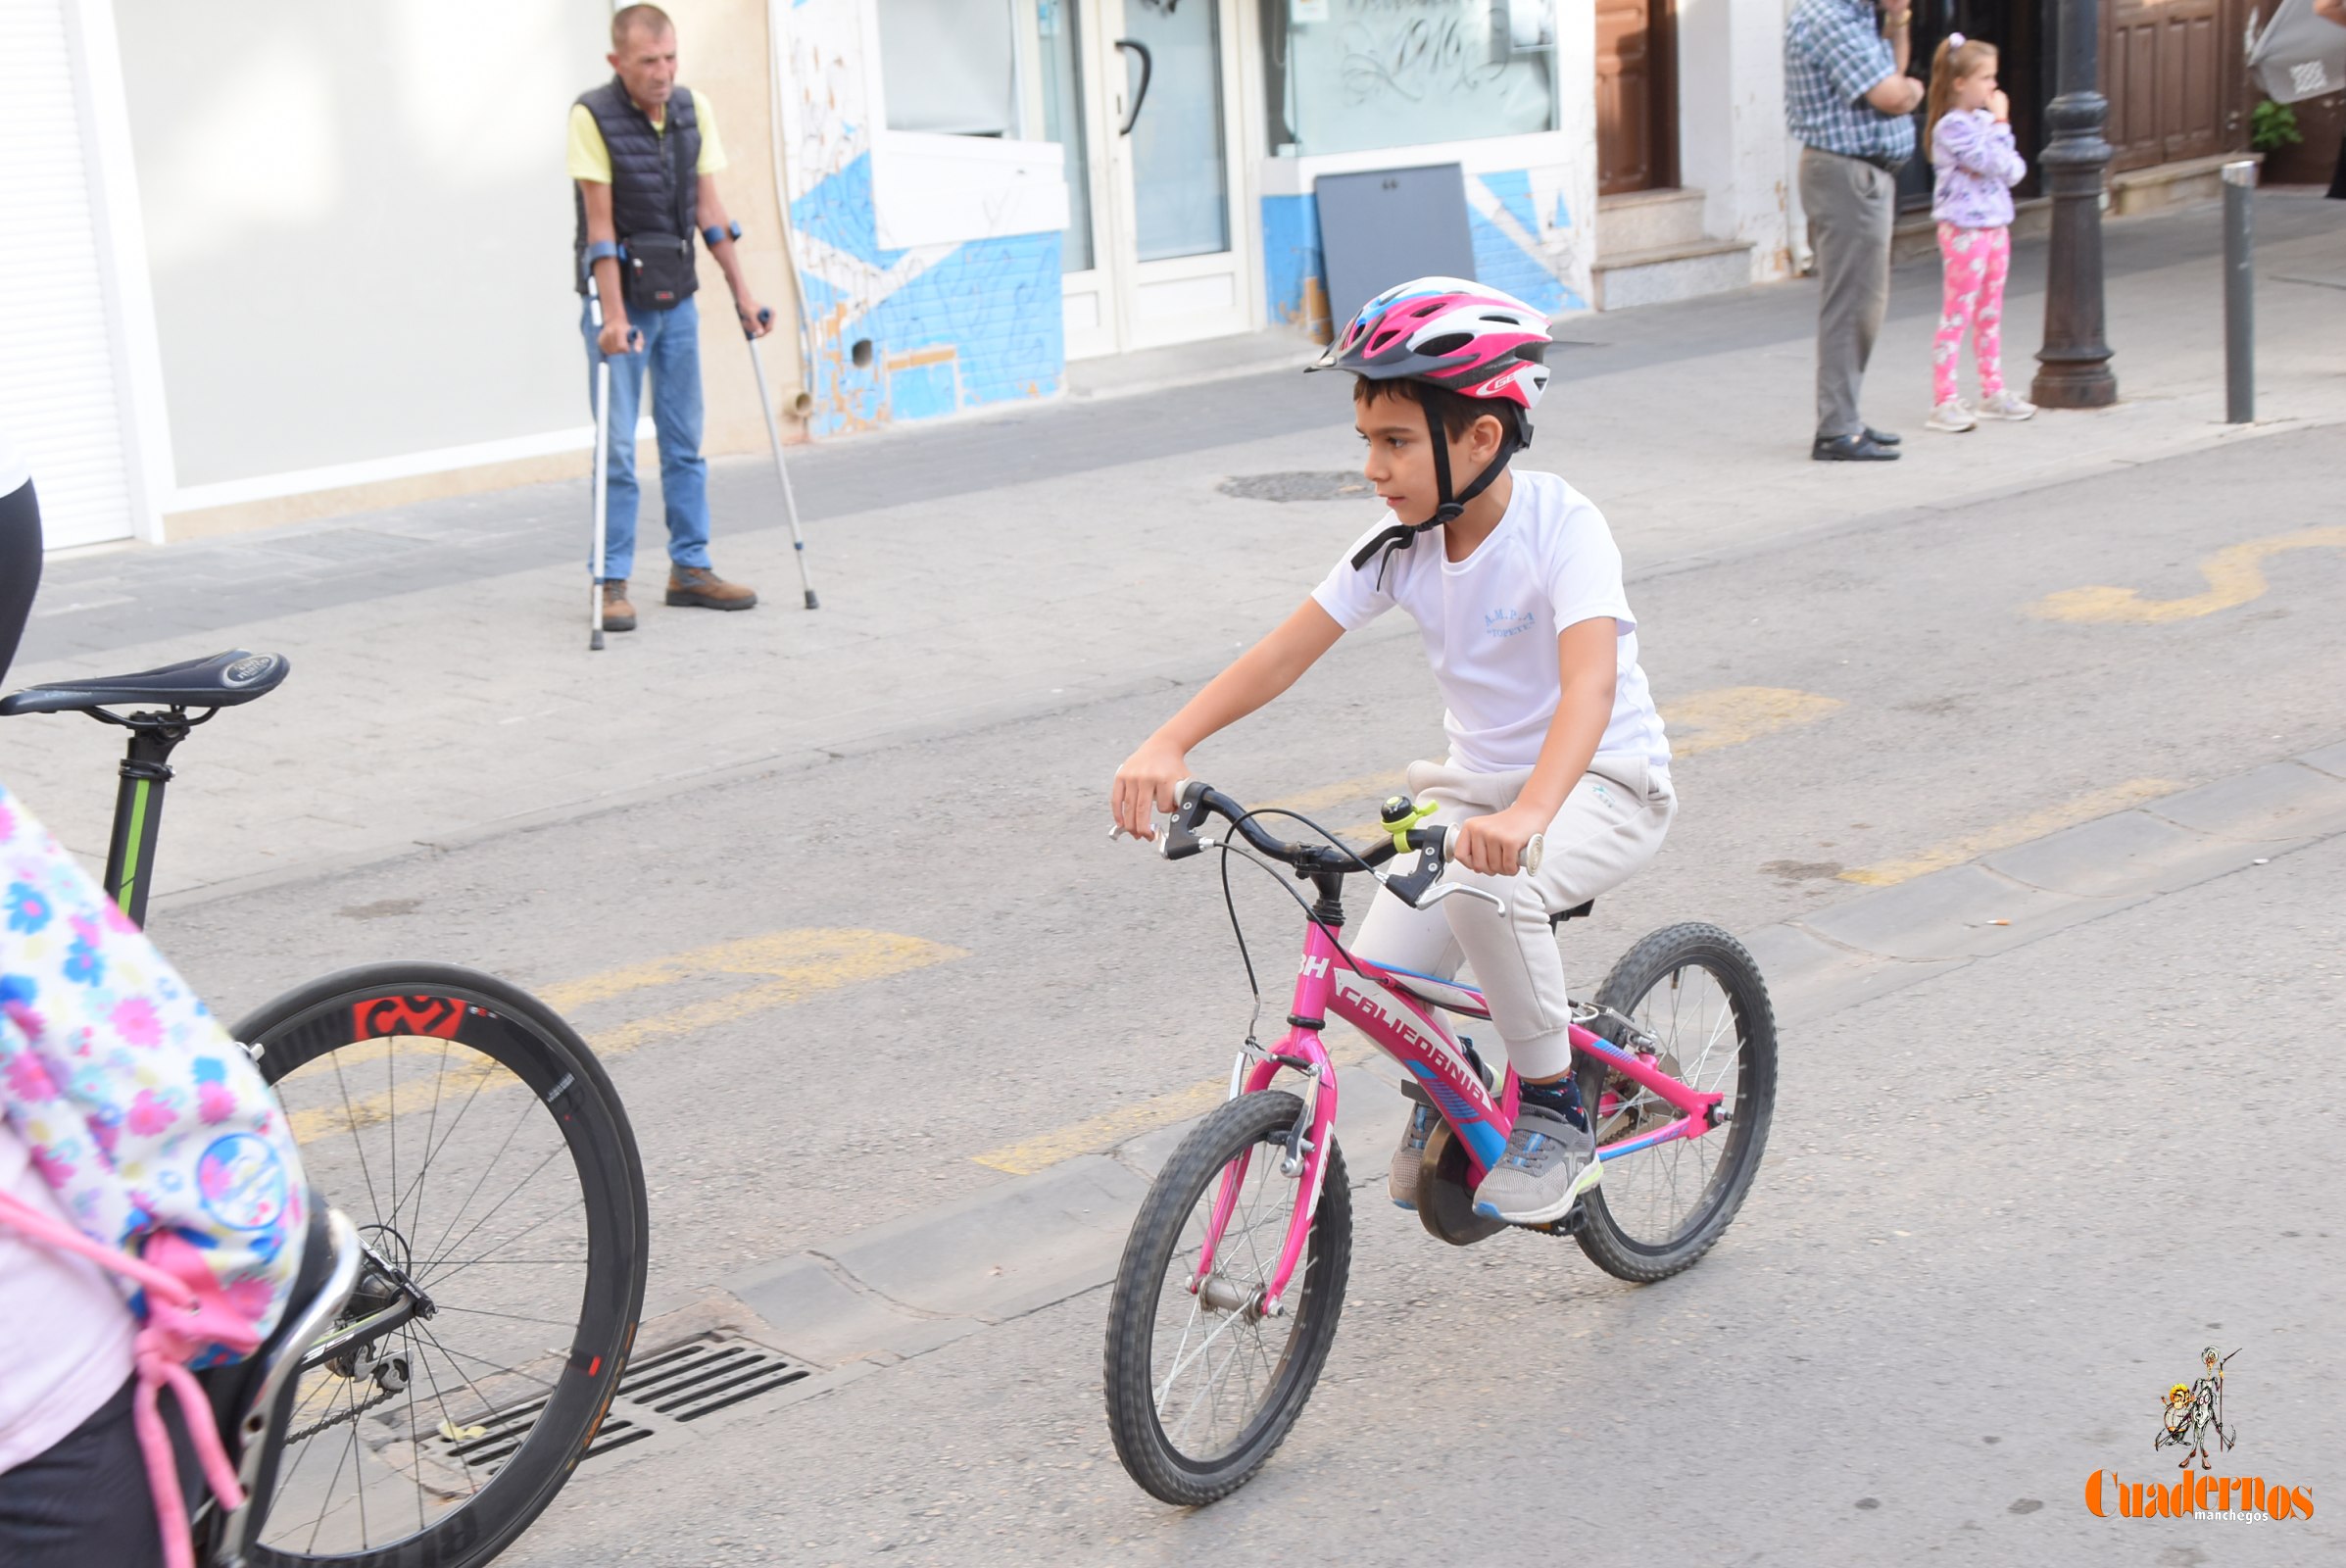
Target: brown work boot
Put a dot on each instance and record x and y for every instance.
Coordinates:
(703, 589)
(617, 614)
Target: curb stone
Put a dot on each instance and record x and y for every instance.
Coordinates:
(904, 1287)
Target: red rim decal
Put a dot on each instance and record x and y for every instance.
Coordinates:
(436, 1016)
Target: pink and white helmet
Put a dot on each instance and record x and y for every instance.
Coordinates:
(1474, 340)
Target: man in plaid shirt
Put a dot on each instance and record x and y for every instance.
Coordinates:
(1848, 99)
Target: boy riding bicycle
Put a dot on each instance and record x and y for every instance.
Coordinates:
(1518, 598)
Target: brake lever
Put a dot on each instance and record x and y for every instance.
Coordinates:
(1424, 888)
(1449, 888)
(1177, 837)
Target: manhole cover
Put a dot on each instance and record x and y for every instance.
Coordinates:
(1342, 485)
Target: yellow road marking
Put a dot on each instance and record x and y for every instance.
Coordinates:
(795, 964)
(1708, 721)
(1366, 787)
(2085, 808)
(2235, 577)
(792, 966)
(1110, 1128)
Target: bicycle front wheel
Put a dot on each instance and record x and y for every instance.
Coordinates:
(482, 1154)
(1692, 989)
(1202, 1385)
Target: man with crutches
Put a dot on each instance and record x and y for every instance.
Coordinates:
(643, 157)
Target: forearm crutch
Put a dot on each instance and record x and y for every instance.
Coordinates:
(600, 488)
(773, 434)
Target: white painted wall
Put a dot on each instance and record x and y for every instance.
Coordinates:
(933, 189)
(1731, 123)
(1576, 124)
(357, 225)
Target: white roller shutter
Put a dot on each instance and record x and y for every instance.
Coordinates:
(59, 396)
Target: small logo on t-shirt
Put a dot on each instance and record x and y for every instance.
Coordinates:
(1507, 622)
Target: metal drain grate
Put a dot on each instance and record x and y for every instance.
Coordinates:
(702, 1377)
(681, 1383)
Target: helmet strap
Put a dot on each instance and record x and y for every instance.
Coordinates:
(1449, 507)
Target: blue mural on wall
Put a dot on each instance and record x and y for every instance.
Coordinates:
(905, 334)
(1294, 267)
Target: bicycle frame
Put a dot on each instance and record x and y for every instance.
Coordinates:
(1373, 1000)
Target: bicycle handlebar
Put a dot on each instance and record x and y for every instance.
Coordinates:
(1196, 800)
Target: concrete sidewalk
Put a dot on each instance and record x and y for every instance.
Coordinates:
(442, 689)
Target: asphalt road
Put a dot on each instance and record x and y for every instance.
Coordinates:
(2001, 1210)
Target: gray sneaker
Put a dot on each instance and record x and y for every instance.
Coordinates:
(1400, 1184)
(1545, 1167)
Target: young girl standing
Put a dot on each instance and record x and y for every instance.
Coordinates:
(1968, 138)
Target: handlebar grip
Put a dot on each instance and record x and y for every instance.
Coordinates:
(1529, 860)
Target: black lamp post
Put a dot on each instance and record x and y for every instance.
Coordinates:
(2075, 363)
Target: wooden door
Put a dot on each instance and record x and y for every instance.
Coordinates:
(1636, 96)
(2166, 67)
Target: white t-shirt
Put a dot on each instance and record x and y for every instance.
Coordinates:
(65, 1331)
(1491, 622)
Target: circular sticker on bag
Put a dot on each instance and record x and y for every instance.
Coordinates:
(242, 1182)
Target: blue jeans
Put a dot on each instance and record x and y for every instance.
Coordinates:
(673, 351)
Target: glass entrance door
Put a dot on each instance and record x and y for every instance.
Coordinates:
(1175, 80)
(1073, 116)
(1179, 178)
(1143, 94)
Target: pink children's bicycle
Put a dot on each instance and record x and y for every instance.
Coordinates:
(1231, 1283)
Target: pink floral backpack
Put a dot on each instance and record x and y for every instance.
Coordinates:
(156, 1133)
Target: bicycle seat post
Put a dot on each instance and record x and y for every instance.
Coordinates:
(138, 808)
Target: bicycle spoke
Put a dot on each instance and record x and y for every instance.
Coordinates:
(551, 1155)
(351, 1445)
(510, 1317)
(519, 1122)
(350, 1121)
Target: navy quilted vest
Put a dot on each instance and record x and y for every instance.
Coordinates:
(653, 188)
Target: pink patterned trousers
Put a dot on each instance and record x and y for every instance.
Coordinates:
(1977, 262)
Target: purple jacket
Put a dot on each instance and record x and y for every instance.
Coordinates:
(1977, 167)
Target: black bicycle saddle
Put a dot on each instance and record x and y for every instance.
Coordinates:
(221, 682)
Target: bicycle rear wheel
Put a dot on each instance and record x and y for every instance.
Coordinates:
(482, 1154)
(1202, 1388)
(1695, 992)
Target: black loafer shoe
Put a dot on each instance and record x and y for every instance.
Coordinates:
(1882, 438)
(1852, 448)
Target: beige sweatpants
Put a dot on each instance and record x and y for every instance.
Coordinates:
(1610, 826)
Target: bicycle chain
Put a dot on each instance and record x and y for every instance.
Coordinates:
(351, 1414)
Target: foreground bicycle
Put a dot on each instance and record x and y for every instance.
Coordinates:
(1227, 1297)
(463, 1318)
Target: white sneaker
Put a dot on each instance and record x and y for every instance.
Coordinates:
(1950, 415)
(2007, 405)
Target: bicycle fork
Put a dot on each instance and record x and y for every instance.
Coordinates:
(1305, 1156)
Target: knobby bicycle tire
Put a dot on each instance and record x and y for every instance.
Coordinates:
(403, 1013)
(1257, 1122)
(1655, 958)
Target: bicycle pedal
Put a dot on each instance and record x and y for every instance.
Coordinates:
(1574, 1219)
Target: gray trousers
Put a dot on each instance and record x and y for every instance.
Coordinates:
(1610, 826)
(1851, 205)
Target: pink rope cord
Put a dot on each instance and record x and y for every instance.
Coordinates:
(186, 1312)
